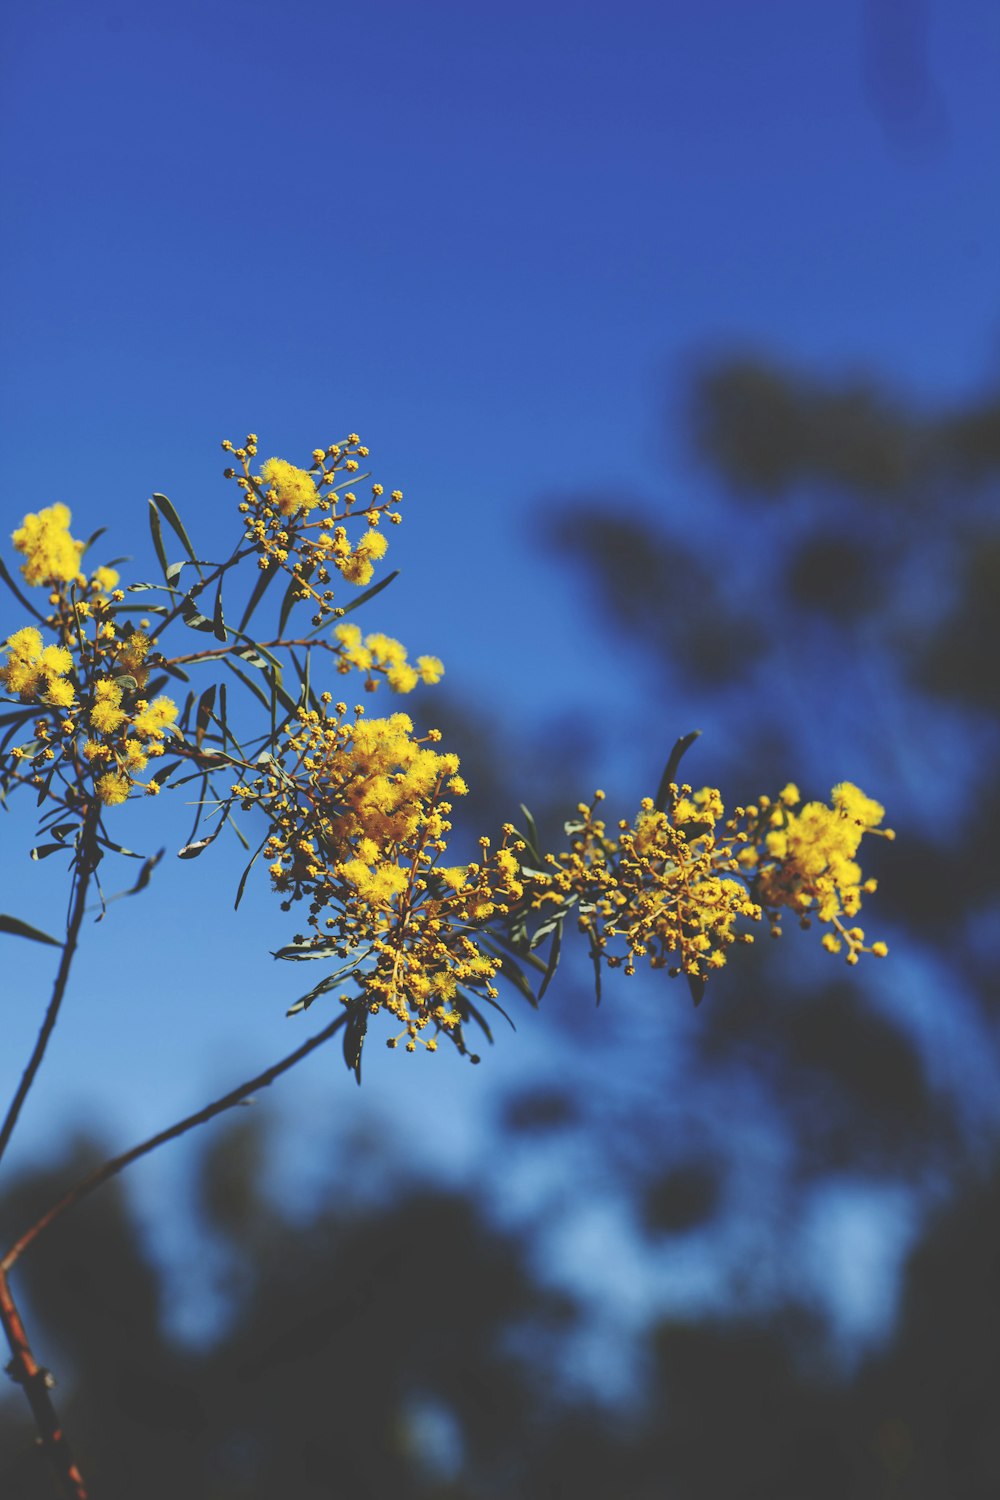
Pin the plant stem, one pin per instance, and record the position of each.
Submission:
(84, 869)
(201, 1117)
(23, 1367)
(26, 1371)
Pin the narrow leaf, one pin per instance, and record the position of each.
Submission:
(193, 617)
(354, 1035)
(156, 531)
(191, 851)
(696, 984)
(93, 538)
(218, 622)
(670, 770)
(17, 928)
(553, 963)
(203, 714)
(264, 581)
(534, 848)
(17, 592)
(286, 604)
(174, 521)
(468, 1009)
(243, 878)
(376, 588)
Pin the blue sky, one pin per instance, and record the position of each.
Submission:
(491, 240)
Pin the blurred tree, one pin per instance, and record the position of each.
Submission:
(829, 594)
(405, 1348)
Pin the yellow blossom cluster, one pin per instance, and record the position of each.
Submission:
(97, 724)
(358, 814)
(378, 653)
(679, 884)
(358, 810)
(297, 519)
(51, 554)
(35, 671)
(803, 858)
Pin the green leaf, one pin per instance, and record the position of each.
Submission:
(156, 531)
(203, 714)
(670, 770)
(468, 1009)
(17, 928)
(243, 878)
(120, 849)
(376, 588)
(218, 622)
(696, 984)
(326, 983)
(42, 851)
(264, 581)
(288, 599)
(354, 1035)
(226, 662)
(193, 617)
(298, 953)
(174, 521)
(191, 851)
(162, 776)
(139, 588)
(531, 837)
(93, 538)
(144, 876)
(17, 592)
(553, 963)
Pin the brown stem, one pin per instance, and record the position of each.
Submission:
(212, 653)
(84, 870)
(116, 1164)
(36, 1381)
(24, 1368)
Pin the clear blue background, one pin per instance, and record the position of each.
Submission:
(491, 239)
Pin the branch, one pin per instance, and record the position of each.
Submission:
(84, 870)
(117, 1163)
(26, 1371)
(23, 1367)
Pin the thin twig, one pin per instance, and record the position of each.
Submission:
(201, 1117)
(26, 1371)
(84, 870)
(23, 1367)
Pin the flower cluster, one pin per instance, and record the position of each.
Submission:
(358, 810)
(295, 518)
(51, 554)
(679, 885)
(804, 859)
(37, 672)
(379, 653)
(95, 723)
(358, 814)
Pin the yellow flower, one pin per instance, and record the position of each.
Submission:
(386, 651)
(113, 788)
(153, 721)
(373, 544)
(52, 555)
(293, 487)
(402, 679)
(103, 580)
(107, 714)
(35, 671)
(431, 669)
